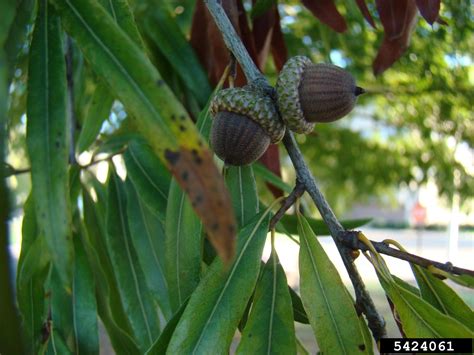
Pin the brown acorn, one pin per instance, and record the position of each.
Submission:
(310, 93)
(245, 123)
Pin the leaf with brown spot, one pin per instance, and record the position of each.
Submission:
(159, 116)
(327, 13)
(199, 169)
(429, 9)
(391, 50)
(396, 16)
(365, 11)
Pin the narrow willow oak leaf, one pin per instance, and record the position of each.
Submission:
(109, 306)
(149, 175)
(418, 318)
(148, 238)
(218, 303)
(47, 139)
(442, 297)
(159, 116)
(329, 307)
(241, 183)
(134, 293)
(270, 327)
(182, 247)
(84, 305)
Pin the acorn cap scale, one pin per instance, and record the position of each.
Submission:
(245, 123)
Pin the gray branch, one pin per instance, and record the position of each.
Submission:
(253, 75)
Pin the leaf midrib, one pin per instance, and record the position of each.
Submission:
(326, 301)
(230, 275)
(129, 257)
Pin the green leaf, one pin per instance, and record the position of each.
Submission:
(419, 319)
(17, 32)
(7, 17)
(243, 192)
(182, 247)
(135, 295)
(57, 344)
(109, 303)
(167, 36)
(97, 112)
(84, 304)
(149, 176)
(123, 16)
(216, 307)
(160, 117)
(329, 307)
(406, 285)
(443, 297)
(463, 280)
(148, 237)
(290, 223)
(32, 273)
(161, 344)
(48, 138)
(270, 328)
(60, 308)
(270, 177)
(298, 309)
(260, 7)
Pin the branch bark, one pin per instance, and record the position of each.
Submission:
(364, 301)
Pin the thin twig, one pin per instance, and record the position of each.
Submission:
(289, 201)
(253, 75)
(363, 299)
(9, 170)
(352, 241)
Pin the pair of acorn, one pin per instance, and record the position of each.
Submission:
(246, 120)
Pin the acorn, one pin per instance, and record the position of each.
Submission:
(310, 93)
(245, 123)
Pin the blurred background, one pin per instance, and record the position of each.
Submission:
(404, 157)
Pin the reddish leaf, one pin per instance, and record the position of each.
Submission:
(279, 50)
(262, 31)
(365, 11)
(395, 16)
(392, 49)
(429, 9)
(207, 40)
(327, 13)
(247, 38)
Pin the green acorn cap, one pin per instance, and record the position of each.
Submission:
(251, 103)
(288, 96)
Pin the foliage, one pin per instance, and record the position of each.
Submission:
(126, 198)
